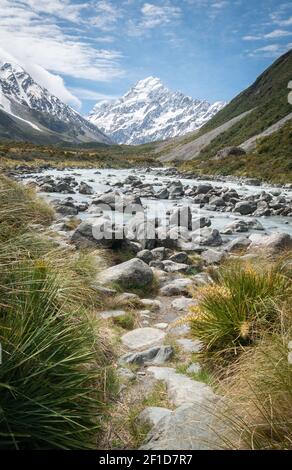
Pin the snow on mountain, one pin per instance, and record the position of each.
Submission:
(22, 98)
(149, 111)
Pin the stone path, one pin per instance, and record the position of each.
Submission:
(189, 425)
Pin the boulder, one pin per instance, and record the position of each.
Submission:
(152, 415)
(142, 338)
(157, 355)
(217, 201)
(176, 287)
(207, 237)
(162, 194)
(160, 253)
(180, 388)
(151, 304)
(145, 255)
(84, 188)
(262, 209)
(172, 267)
(94, 231)
(105, 315)
(238, 226)
(183, 303)
(133, 273)
(237, 243)
(213, 256)
(119, 202)
(245, 207)
(229, 151)
(274, 243)
(65, 209)
(201, 279)
(203, 188)
(189, 345)
(125, 374)
(176, 190)
(188, 427)
(180, 257)
(200, 222)
(156, 265)
(254, 224)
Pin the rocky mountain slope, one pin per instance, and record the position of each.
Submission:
(150, 112)
(29, 112)
(248, 116)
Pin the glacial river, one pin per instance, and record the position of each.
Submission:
(103, 180)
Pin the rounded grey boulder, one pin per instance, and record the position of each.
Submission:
(133, 273)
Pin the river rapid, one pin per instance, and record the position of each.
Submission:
(103, 180)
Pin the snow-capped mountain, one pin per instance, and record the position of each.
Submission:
(149, 111)
(32, 112)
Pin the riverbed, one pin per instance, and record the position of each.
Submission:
(103, 180)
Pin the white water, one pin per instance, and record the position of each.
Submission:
(99, 182)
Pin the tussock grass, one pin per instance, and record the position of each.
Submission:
(241, 304)
(56, 377)
(259, 397)
(19, 208)
(244, 319)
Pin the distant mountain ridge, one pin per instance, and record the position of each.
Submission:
(149, 112)
(28, 111)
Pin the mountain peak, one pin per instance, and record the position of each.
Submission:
(149, 111)
(148, 82)
(33, 108)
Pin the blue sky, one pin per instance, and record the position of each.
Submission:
(84, 51)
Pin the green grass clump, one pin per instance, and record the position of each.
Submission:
(126, 321)
(242, 303)
(56, 376)
(19, 207)
(259, 411)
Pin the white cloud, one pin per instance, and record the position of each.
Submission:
(59, 8)
(287, 22)
(53, 83)
(219, 5)
(251, 37)
(277, 33)
(107, 15)
(91, 95)
(272, 50)
(34, 34)
(153, 16)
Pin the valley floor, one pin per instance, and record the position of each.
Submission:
(156, 347)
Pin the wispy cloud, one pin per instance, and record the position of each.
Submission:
(219, 5)
(91, 95)
(283, 22)
(33, 32)
(271, 50)
(153, 16)
(277, 33)
(106, 15)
